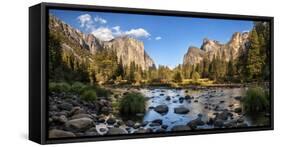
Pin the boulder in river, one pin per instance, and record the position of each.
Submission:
(223, 115)
(238, 110)
(111, 121)
(162, 109)
(130, 123)
(181, 99)
(221, 101)
(168, 98)
(218, 123)
(230, 105)
(238, 98)
(154, 124)
(143, 124)
(164, 126)
(210, 121)
(188, 97)
(150, 107)
(196, 122)
(159, 121)
(137, 125)
(181, 110)
(240, 120)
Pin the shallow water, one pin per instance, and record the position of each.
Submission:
(207, 101)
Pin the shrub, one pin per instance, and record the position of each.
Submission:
(59, 87)
(256, 100)
(102, 92)
(78, 87)
(131, 104)
(89, 96)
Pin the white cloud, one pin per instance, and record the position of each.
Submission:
(96, 27)
(138, 33)
(100, 20)
(116, 28)
(117, 31)
(85, 20)
(158, 38)
(103, 33)
(106, 34)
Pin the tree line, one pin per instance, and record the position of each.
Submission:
(252, 64)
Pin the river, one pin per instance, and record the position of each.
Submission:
(205, 103)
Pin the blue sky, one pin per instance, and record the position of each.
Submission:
(166, 39)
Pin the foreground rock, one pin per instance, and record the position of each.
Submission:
(80, 124)
(111, 121)
(181, 110)
(162, 109)
(223, 115)
(55, 133)
(116, 131)
(238, 110)
(218, 123)
(78, 116)
(195, 123)
(181, 128)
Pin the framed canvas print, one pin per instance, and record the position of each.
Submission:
(100, 73)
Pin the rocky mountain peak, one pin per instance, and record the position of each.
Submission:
(89, 42)
(211, 48)
(128, 49)
(194, 55)
(209, 45)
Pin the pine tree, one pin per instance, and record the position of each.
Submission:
(206, 64)
(132, 71)
(212, 69)
(120, 69)
(223, 67)
(241, 64)
(230, 69)
(199, 68)
(254, 63)
(178, 77)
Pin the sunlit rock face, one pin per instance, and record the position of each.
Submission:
(210, 48)
(130, 50)
(194, 55)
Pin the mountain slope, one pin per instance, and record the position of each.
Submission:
(211, 48)
(84, 46)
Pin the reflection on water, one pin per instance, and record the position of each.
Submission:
(204, 102)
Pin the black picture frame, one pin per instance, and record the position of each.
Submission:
(38, 63)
